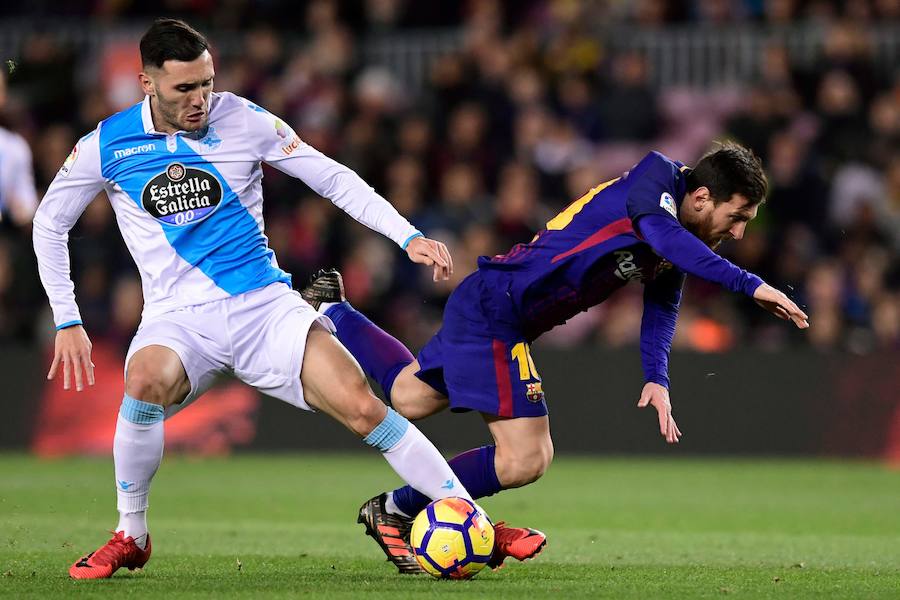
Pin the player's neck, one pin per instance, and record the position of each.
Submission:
(160, 124)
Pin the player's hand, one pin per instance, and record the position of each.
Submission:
(73, 351)
(432, 253)
(658, 396)
(780, 305)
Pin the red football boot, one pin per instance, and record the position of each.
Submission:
(118, 552)
(522, 543)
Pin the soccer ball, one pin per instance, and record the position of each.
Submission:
(452, 538)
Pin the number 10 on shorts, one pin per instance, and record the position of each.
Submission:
(521, 353)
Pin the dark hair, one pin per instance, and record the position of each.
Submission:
(727, 170)
(171, 39)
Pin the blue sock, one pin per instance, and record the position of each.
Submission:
(475, 470)
(380, 354)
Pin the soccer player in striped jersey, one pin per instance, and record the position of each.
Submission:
(183, 172)
(655, 224)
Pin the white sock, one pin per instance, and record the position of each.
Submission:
(137, 452)
(415, 458)
(392, 508)
(134, 525)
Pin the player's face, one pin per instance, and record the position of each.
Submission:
(179, 93)
(716, 223)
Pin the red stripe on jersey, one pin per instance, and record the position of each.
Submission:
(613, 229)
(504, 387)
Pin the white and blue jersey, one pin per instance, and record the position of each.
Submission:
(189, 205)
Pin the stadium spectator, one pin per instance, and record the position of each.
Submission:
(555, 88)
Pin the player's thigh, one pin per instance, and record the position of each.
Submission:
(334, 383)
(412, 397)
(524, 448)
(173, 359)
(285, 349)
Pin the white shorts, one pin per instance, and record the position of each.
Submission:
(258, 337)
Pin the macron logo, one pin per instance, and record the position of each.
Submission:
(448, 485)
(125, 485)
(134, 150)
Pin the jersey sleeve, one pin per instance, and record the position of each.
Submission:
(75, 185)
(662, 299)
(654, 188)
(685, 250)
(18, 193)
(279, 146)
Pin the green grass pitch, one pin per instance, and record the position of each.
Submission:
(284, 526)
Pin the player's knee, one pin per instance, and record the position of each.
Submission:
(145, 383)
(538, 461)
(365, 415)
(526, 465)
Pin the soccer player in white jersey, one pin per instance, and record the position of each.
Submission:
(18, 199)
(182, 170)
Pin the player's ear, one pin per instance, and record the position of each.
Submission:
(146, 83)
(700, 197)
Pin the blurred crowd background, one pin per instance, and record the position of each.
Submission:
(479, 120)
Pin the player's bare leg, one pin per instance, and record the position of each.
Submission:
(155, 379)
(334, 383)
(413, 398)
(524, 450)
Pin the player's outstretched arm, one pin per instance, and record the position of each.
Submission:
(73, 351)
(680, 247)
(657, 396)
(777, 303)
(279, 146)
(433, 254)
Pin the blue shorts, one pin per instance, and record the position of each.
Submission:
(480, 359)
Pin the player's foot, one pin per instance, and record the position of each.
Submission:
(522, 543)
(118, 552)
(391, 532)
(325, 286)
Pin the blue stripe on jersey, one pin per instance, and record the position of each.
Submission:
(228, 245)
